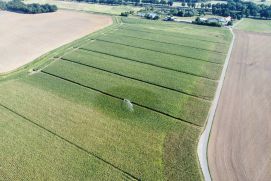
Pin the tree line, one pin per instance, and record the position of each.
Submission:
(136, 2)
(19, 6)
(238, 9)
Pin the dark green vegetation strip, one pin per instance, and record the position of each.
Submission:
(175, 40)
(181, 82)
(184, 53)
(120, 98)
(140, 80)
(133, 141)
(152, 64)
(66, 140)
(174, 63)
(185, 36)
(79, 98)
(169, 43)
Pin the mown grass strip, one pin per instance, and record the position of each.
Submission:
(140, 80)
(120, 98)
(192, 58)
(64, 139)
(152, 64)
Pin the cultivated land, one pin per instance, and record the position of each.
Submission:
(255, 25)
(74, 104)
(88, 7)
(26, 37)
(239, 147)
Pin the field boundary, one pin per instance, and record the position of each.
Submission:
(74, 144)
(204, 138)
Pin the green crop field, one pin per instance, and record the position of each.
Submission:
(63, 116)
(255, 25)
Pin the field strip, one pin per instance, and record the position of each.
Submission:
(77, 146)
(155, 65)
(120, 98)
(140, 80)
(179, 55)
(183, 45)
(184, 35)
(204, 138)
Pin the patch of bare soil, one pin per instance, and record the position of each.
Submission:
(240, 142)
(25, 37)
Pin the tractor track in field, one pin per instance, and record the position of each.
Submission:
(175, 44)
(121, 98)
(162, 52)
(146, 63)
(71, 143)
(139, 80)
(173, 35)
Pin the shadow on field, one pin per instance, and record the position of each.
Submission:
(116, 108)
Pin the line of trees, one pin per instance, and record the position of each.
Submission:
(19, 6)
(238, 9)
(184, 12)
(137, 2)
(191, 1)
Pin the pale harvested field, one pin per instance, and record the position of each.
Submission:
(240, 146)
(26, 37)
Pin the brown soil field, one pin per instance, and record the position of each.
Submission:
(240, 142)
(25, 37)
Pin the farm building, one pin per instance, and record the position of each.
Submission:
(223, 21)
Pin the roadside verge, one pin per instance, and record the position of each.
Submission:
(204, 138)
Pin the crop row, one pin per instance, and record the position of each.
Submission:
(132, 141)
(183, 31)
(178, 29)
(184, 51)
(183, 64)
(24, 138)
(173, 80)
(169, 102)
(167, 38)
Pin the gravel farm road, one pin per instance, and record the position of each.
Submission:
(240, 142)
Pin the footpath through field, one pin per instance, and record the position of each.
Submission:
(239, 146)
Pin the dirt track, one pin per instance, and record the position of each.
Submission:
(26, 37)
(240, 142)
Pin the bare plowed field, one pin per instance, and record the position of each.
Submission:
(26, 37)
(240, 147)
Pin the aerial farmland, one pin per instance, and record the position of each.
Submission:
(86, 94)
(72, 101)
